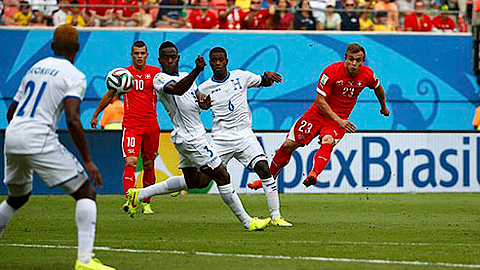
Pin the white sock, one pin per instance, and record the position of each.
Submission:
(86, 217)
(271, 193)
(6, 213)
(231, 198)
(172, 184)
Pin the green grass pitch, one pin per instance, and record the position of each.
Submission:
(387, 231)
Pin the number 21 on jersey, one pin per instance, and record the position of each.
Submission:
(29, 90)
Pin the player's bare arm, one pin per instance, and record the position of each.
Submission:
(11, 111)
(72, 115)
(321, 102)
(182, 86)
(204, 101)
(270, 77)
(106, 99)
(380, 93)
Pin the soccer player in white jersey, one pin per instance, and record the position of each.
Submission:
(198, 159)
(51, 86)
(232, 122)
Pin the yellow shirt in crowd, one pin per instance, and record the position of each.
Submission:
(22, 19)
(80, 21)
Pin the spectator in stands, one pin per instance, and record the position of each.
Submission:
(462, 25)
(257, 17)
(1, 13)
(418, 21)
(203, 18)
(171, 14)
(128, 12)
(329, 20)
(60, 16)
(42, 11)
(24, 15)
(443, 22)
(304, 19)
(231, 17)
(349, 18)
(282, 19)
(101, 12)
(381, 22)
(113, 115)
(365, 19)
(294, 6)
(405, 6)
(75, 18)
(392, 9)
(318, 8)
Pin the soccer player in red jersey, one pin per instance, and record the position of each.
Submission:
(337, 93)
(140, 126)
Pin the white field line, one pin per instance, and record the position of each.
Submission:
(278, 257)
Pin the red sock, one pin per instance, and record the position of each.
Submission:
(148, 180)
(280, 160)
(322, 157)
(128, 178)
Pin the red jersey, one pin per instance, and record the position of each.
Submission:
(234, 19)
(440, 24)
(341, 91)
(411, 21)
(141, 102)
(198, 21)
(259, 20)
(129, 7)
(102, 9)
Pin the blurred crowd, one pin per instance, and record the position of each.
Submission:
(347, 15)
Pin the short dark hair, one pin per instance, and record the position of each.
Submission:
(217, 50)
(355, 48)
(166, 44)
(74, 2)
(139, 44)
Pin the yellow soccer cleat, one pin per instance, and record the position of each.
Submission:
(133, 201)
(147, 208)
(280, 222)
(93, 264)
(258, 224)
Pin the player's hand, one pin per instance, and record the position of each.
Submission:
(204, 101)
(272, 77)
(94, 173)
(200, 63)
(348, 126)
(94, 122)
(385, 111)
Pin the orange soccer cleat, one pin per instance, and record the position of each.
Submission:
(311, 179)
(255, 184)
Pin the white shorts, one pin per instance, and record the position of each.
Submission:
(56, 168)
(246, 149)
(198, 153)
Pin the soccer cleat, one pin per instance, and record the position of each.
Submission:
(147, 209)
(125, 206)
(280, 222)
(93, 264)
(311, 179)
(133, 201)
(258, 224)
(255, 184)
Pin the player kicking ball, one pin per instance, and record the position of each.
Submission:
(198, 159)
(337, 93)
(232, 132)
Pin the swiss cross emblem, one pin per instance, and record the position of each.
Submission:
(147, 76)
(359, 83)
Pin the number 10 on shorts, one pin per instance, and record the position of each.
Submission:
(130, 141)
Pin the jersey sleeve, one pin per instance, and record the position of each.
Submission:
(76, 86)
(253, 80)
(324, 86)
(159, 82)
(373, 81)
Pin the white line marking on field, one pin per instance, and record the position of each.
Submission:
(279, 257)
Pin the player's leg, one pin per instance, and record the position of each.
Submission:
(131, 142)
(149, 152)
(61, 168)
(329, 136)
(18, 179)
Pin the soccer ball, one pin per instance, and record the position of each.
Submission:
(120, 80)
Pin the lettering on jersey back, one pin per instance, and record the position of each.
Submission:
(44, 71)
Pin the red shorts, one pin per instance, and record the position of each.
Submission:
(145, 140)
(311, 125)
